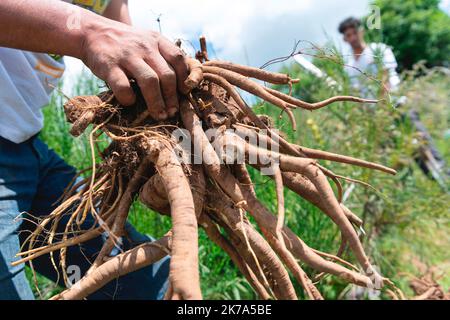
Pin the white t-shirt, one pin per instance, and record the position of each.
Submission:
(374, 57)
(27, 80)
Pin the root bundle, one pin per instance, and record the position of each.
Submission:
(193, 168)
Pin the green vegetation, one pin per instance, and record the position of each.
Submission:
(407, 219)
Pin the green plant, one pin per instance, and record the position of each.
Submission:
(416, 29)
(406, 220)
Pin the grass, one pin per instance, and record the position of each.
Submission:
(407, 219)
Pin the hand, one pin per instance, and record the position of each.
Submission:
(118, 52)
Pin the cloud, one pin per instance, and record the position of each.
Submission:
(248, 31)
(445, 6)
(244, 31)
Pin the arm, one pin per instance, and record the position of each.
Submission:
(118, 10)
(113, 51)
(390, 75)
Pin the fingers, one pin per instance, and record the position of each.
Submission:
(120, 85)
(175, 57)
(149, 84)
(158, 75)
(168, 82)
(195, 74)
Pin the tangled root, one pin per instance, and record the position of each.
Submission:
(144, 162)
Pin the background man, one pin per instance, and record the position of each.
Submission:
(369, 60)
(366, 58)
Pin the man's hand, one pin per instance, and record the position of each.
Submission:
(118, 52)
(114, 51)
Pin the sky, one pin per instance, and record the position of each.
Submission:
(247, 31)
(244, 31)
(250, 32)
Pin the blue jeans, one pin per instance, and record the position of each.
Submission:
(32, 179)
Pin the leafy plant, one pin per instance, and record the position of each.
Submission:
(416, 29)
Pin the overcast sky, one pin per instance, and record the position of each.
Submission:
(245, 31)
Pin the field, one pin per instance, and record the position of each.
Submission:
(406, 219)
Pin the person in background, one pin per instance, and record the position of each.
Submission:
(367, 59)
(376, 60)
(34, 37)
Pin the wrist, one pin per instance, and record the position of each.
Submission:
(92, 27)
(96, 30)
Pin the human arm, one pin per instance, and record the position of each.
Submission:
(113, 51)
(390, 76)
